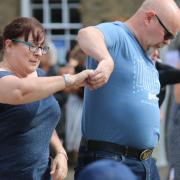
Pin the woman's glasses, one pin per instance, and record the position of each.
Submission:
(33, 48)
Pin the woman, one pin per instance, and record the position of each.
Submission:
(28, 111)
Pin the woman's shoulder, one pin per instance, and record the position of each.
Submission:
(3, 73)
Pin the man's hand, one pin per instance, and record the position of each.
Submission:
(101, 75)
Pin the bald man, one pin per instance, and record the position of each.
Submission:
(121, 113)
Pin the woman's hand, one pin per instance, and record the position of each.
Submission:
(80, 79)
(59, 166)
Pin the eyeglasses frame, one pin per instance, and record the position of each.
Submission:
(30, 44)
(168, 35)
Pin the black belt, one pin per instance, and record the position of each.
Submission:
(94, 145)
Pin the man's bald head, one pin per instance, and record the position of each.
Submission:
(167, 10)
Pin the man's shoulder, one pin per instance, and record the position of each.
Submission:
(115, 26)
(111, 23)
(118, 23)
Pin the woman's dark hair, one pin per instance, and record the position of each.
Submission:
(22, 27)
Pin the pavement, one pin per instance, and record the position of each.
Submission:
(70, 175)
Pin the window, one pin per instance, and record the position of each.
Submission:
(61, 19)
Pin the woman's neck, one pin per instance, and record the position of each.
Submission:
(6, 66)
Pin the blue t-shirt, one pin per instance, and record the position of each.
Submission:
(25, 133)
(125, 110)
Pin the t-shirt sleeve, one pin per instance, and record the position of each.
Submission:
(112, 33)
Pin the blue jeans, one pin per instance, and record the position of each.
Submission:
(144, 170)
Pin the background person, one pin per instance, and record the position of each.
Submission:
(168, 75)
(74, 107)
(174, 136)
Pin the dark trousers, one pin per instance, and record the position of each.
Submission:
(144, 170)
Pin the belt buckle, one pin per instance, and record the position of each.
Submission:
(145, 154)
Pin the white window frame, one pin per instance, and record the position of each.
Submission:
(27, 10)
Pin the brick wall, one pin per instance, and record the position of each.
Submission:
(95, 11)
(9, 9)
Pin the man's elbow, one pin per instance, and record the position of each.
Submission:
(86, 33)
(82, 34)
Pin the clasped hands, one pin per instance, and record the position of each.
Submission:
(94, 79)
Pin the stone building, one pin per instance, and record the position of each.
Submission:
(63, 18)
(95, 11)
(8, 10)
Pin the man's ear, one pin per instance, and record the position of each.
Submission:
(148, 16)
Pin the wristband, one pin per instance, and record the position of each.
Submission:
(63, 153)
(67, 80)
